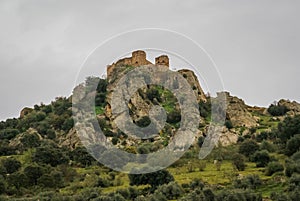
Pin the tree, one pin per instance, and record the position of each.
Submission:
(277, 110)
(2, 185)
(248, 147)
(11, 165)
(18, 179)
(205, 108)
(80, 155)
(174, 117)
(153, 93)
(143, 122)
(52, 180)
(289, 127)
(265, 145)
(30, 140)
(50, 154)
(155, 179)
(8, 133)
(238, 160)
(172, 191)
(228, 124)
(33, 172)
(261, 158)
(293, 145)
(274, 167)
(68, 124)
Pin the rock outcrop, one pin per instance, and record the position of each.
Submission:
(194, 82)
(237, 112)
(71, 140)
(292, 106)
(25, 111)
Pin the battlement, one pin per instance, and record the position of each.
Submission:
(138, 58)
(162, 60)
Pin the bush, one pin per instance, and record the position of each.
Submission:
(274, 167)
(2, 186)
(250, 181)
(205, 108)
(228, 124)
(277, 110)
(238, 195)
(143, 122)
(153, 93)
(296, 156)
(171, 190)
(291, 167)
(248, 147)
(262, 136)
(174, 117)
(30, 140)
(50, 154)
(276, 196)
(265, 145)
(8, 133)
(289, 127)
(33, 173)
(294, 182)
(261, 158)
(293, 145)
(238, 161)
(155, 179)
(11, 165)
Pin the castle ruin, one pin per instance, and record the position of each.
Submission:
(138, 58)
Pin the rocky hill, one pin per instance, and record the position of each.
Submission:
(241, 119)
(256, 155)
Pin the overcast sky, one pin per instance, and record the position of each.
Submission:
(43, 44)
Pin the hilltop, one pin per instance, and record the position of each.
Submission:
(256, 157)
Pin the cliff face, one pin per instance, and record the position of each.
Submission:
(139, 102)
(145, 98)
(194, 82)
(238, 113)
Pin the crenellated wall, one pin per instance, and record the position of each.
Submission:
(138, 58)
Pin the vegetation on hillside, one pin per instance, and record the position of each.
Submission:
(36, 165)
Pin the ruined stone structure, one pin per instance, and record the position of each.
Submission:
(162, 60)
(138, 58)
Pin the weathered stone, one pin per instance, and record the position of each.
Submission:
(237, 112)
(194, 82)
(25, 111)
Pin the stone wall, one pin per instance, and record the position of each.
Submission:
(138, 58)
(162, 60)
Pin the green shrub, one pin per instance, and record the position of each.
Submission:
(143, 122)
(171, 190)
(265, 145)
(11, 165)
(155, 179)
(248, 147)
(228, 124)
(277, 110)
(274, 167)
(261, 158)
(238, 161)
(8, 133)
(174, 117)
(289, 127)
(250, 181)
(293, 145)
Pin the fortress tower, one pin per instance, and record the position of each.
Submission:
(139, 58)
(162, 60)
